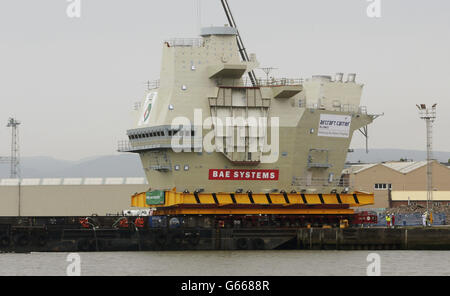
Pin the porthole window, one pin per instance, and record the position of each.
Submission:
(177, 167)
(186, 168)
(183, 87)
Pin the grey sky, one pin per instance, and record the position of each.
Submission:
(72, 82)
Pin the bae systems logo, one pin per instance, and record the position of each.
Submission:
(244, 175)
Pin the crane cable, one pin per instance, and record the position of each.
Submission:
(241, 46)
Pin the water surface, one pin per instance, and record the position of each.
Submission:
(225, 263)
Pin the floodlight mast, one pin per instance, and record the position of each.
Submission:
(15, 155)
(429, 115)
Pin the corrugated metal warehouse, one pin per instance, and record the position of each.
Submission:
(68, 197)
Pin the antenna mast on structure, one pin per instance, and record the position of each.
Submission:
(241, 46)
(15, 155)
(429, 115)
(268, 70)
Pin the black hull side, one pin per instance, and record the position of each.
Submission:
(65, 234)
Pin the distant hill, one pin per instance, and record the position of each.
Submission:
(129, 165)
(380, 155)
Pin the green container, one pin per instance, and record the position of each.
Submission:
(156, 197)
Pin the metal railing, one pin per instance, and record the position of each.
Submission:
(320, 182)
(153, 84)
(124, 146)
(246, 82)
(190, 42)
(343, 108)
(354, 109)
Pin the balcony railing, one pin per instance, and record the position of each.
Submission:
(153, 84)
(124, 146)
(342, 108)
(246, 82)
(320, 182)
(190, 42)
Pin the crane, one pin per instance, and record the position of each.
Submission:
(240, 43)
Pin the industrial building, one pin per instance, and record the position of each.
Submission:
(404, 198)
(68, 197)
(398, 178)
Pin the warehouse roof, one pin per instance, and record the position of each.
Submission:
(402, 167)
(73, 181)
(405, 166)
(356, 168)
(419, 195)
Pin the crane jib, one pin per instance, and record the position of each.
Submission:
(240, 43)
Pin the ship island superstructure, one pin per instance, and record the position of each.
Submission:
(206, 128)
